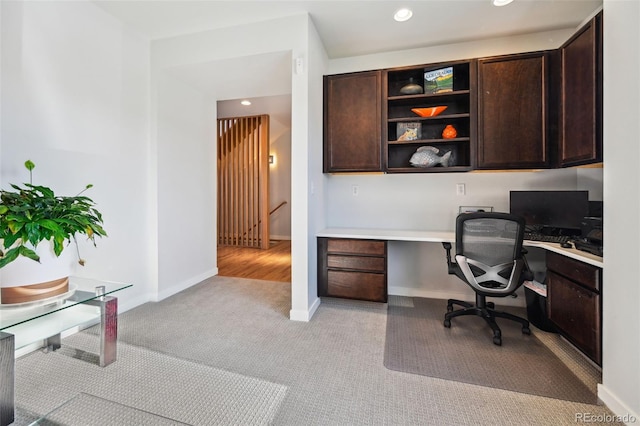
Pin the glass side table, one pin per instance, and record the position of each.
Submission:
(44, 320)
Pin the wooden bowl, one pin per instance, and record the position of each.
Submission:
(429, 112)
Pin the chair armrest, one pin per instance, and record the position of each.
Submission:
(451, 266)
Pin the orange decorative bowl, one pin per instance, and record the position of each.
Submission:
(429, 112)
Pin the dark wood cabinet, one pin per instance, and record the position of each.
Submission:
(522, 111)
(513, 111)
(352, 122)
(574, 302)
(352, 269)
(580, 139)
(458, 97)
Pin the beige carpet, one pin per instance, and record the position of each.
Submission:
(225, 352)
(418, 343)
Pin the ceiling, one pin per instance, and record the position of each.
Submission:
(346, 28)
(357, 27)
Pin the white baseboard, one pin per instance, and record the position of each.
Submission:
(622, 413)
(302, 315)
(185, 284)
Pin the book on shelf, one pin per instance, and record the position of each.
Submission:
(408, 131)
(439, 81)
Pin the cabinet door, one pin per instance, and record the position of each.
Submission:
(576, 312)
(581, 98)
(512, 112)
(352, 122)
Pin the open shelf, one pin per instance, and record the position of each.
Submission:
(406, 131)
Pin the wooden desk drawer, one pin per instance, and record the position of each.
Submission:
(580, 272)
(352, 268)
(361, 263)
(357, 285)
(344, 245)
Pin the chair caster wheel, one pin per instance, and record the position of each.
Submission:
(497, 340)
(447, 323)
(526, 330)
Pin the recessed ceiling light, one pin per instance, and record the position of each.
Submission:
(245, 102)
(501, 2)
(403, 14)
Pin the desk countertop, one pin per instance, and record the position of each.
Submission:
(446, 236)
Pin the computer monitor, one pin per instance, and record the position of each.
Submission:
(550, 211)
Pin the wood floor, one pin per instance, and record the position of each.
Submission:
(272, 264)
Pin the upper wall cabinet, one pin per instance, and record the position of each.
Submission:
(430, 108)
(352, 122)
(580, 139)
(513, 114)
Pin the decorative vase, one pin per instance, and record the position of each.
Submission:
(449, 132)
(411, 88)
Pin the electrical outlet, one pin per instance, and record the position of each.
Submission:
(460, 189)
(355, 189)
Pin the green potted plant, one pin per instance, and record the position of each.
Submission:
(32, 214)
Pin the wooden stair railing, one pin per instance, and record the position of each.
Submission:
(271, 212)
(243, 181)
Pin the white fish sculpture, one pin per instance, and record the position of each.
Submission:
(427, 156)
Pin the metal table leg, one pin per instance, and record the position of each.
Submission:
(108, 326)
(108, 330)
(7, 378)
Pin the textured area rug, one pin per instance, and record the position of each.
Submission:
(145, 381)
(418, 343)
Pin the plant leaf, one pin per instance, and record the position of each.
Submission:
(27, 252)
(9, 257)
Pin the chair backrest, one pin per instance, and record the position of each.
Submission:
(489, 251)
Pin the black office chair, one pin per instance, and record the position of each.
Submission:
(490, 259)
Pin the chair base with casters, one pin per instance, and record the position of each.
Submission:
(486, 310)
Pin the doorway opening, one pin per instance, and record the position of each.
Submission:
(254, 189)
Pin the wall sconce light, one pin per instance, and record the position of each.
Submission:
(272, 159)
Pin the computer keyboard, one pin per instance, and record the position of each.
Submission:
(532, 236)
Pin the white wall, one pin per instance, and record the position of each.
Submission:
(428, 201)
(620, 388)
(186, 179)
(286, 34)
(315, 186)
(75, 101)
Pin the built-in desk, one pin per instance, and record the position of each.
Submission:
(446, 236)
(574, 277)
